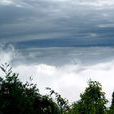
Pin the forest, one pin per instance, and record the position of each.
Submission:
(17, 97)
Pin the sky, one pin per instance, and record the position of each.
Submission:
(60, 43)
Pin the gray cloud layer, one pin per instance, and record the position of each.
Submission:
(56, 23)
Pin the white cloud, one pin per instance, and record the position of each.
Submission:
(17, 3)
(106, 25)
(98, 3)
(7, 55)
(95, 3)
(69, 80)
(6, 2)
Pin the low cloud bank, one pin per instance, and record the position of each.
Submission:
(69, 80)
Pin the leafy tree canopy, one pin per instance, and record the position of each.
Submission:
(19, 98)
(24, 98)
(92, 100)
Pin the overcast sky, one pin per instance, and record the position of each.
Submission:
(59, 41)
(57, 23)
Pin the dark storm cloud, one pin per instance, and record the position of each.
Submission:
(43, 23)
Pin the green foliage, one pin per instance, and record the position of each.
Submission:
(111, 111)
(61, 102)
(92, 100)
(112, 103)
(19, 98)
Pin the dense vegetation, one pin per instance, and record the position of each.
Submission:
(24, 98)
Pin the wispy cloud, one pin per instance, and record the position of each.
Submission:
(6, 2)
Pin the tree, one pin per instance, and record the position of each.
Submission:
(92, 100)
(24, 98)
(112, 103)
(111, 109)
(19, 98)
(61, 102)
